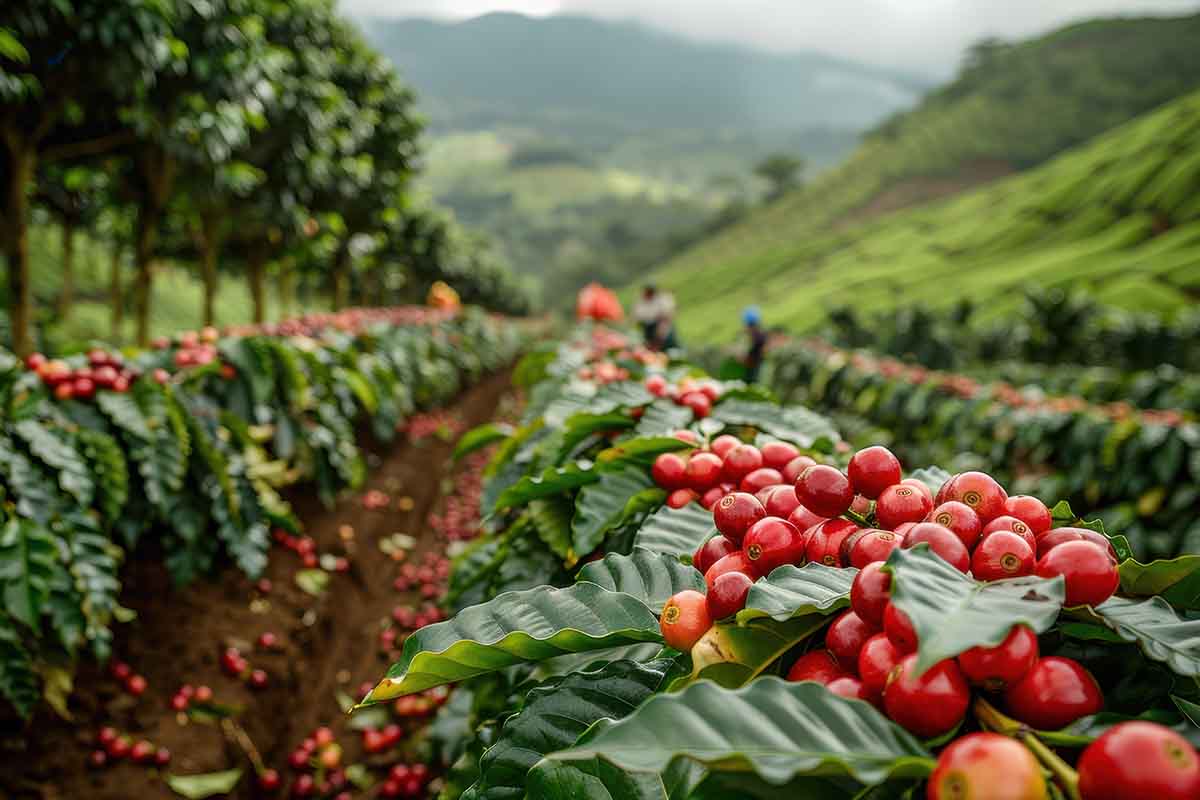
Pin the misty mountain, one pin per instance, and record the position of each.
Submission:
(570, 74)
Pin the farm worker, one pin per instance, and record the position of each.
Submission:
(655, 313)
(752, 319)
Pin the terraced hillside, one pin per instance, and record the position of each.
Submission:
(1119, 215)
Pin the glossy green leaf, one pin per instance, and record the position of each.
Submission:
(551, 518)
(208, 784)
(605, 504)
(791, 591)
(1157, 628)
(517, 627)
(651, 577)
(580, 426)
(552, 718)
(676, 531)
(1176, 579)
(732, 655)
(952, 612)
(641, 451)
(1063, 516)
(662, 417)
(776, 729)
(552, 481)
(28, 557)
(800, 426)
(482, 436)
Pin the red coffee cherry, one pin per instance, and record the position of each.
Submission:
(1002, 554)
(708, 553)
(900, 504)
(1012, 525)
(723, 444)
(734, 562)
(728, 594)
(899, 629)
(670, 471)
(681, 497)
(942, 541)
(1139, 760)
(850, 688)
(685, 619)
(978, 490)
(740, 461)
(869, 593)
(1031, 511)
(931, 704)
(1054, 693)
(772, 542)
(1090, 575)
(819, 666)
(872, 545)
(703, 471)
(979, 764)
(777, 455)
(760, 479)
(793, 468)
(960, 519)
(824, 490)
(824, 541)
(846, 636)
(997, 668)
(804, 519)
(735, 513)
(876, 660)
(781, 500)
(872, 470)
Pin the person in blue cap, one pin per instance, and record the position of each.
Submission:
(752, 319)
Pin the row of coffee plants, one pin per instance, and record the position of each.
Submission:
(1140, 470)
(189, 444)
(687, 590)
(1165, 387)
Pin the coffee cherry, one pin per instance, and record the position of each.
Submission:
(1139, 760)
(824, 541)
(793, 468)
(819, 666)
(685, 619)
(997, 668)
(698, 402)
(735, 513)
(681, 497)
(781, 500)
(872, 470)
(670, 471)
(1090, 575)
(1031, 511)
(824, 490)
(712, 497)
(869, 593)
(97, 759)
(708, 553)
(703, 471)
(1012, 525)
(772, 542)
(804, 519)
(899, 504)
(960, 519)
(142, 751)
(162, 757)
(921, 487)
(980, 491)
(986, 765)
(931, 704)
(723, 444)
(873, 545)
(204, 694)
(728, 594)
(876, 660)
(1056, 536)
(740, 461)
(778, 455)
(1002, 554)
(734, 562)
(760, 479)
(1054, 693)
(899, 629)
(942, 541)
(850, 688)
(845, 638)
(107, 735)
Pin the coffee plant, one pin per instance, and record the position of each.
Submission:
(189, 444)
(684, 589)
(1139, 469)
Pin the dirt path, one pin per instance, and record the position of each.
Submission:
(329, 644)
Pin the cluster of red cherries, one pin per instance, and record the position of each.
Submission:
(306, 548)
(104, 370)
(112, 746)
(698, 394)
(318, 762)
(459, 520)
(441, 423)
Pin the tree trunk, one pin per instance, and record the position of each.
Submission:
(115, 298)
(208, 245)
(157, 172)
(286, 287)
(14, 225)
(66, 293)
(256, 263)
(341, 275)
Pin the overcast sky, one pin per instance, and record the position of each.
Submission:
(924, 35)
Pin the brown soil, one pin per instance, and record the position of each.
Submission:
(915, 191)
(330, 645)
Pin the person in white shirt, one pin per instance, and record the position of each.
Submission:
(655, 313)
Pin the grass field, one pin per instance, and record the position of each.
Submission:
(1119, 216)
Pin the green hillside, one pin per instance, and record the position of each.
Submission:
(1119, 216)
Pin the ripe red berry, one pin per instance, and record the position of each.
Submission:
(804, 519)
(778, 455)
(685, 619)
(703, 471)
(921, 487)
(121, 671)
(760, 479)
(259, 679)
(781, 500)
(303, 786)
(997, 668)
(876, 660)
(686, 436)
(735, 513)
(136, 685)
(899, 504)
(1090, 575)
(180, 703)
(670, 471)
(142, 751)
(850, 688)
(728, 594)
(734, 562)
(708, 553)
(899, 628)
(869, 593)
(987, 765)
(698, 402)
(107, 735)
(740, 461)
(824, 490)
(978, 490)
(1011, 525)
(97, 759)
(845, 638)
(1054, 693)
(204, 694)
(931, 704)
(268, 640)
(873, 545)
(872, 470)
(772, 542)
(942, 541)
(819, 666)
(162, 757)
(712, 497)
(824, 541)
(119, 748)
(1139, 760)
(960, 519)
(269, 780)
(1031, 511)
(1056, 536)
(681, 497)
(1002, 554)
(793, 468)
(723, 444)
